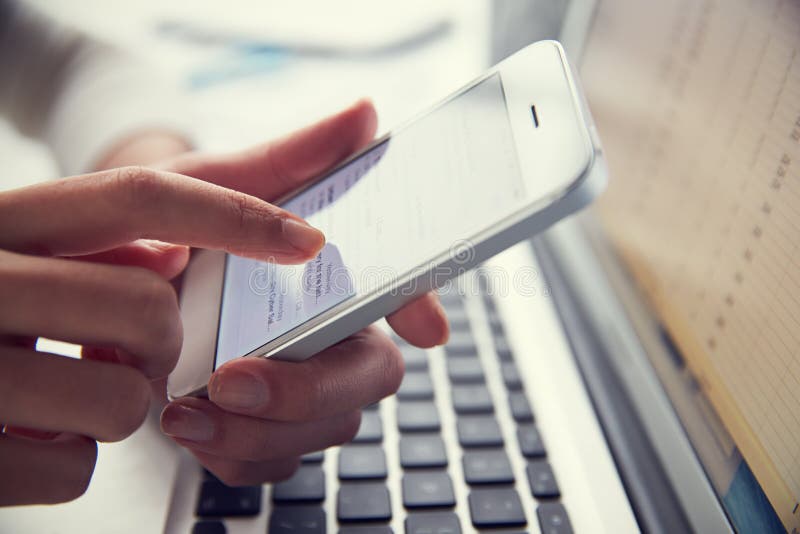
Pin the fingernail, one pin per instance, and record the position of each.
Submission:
(302, 236)
(185, 422)
(234, 390)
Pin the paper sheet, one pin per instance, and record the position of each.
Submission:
(698, 104)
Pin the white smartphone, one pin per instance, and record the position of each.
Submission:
(496, 162)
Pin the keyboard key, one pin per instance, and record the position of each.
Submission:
(428, 489)
(366, 501)
(520, 407)
(496, 507)
(306, 485)
(471, 399)
(313, 457)
(496, 325)
(360, 462)
(416, 386)
(422, 451)
(479, 431)
(530, 441)
(209, 527)
(417, 416)
(553, 518)
(487, 467)
(511, 376)
(501, 347)
(460, 344)
(218, 500)
(297, 520)
(367, 529)
(371, 429)
(459, 320)
(541, 480)
(433, 523)
(465, 370)
(416, 359)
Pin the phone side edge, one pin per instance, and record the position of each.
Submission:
(200, 303)
(587, 187)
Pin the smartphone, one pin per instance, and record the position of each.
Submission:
(494, 163)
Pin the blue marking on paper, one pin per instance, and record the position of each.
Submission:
(748, 507)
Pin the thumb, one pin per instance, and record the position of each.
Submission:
(273, 169)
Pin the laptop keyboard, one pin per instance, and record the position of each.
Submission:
(422, 451)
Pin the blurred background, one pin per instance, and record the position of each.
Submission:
(237, 73)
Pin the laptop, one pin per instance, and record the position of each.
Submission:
(636, 368)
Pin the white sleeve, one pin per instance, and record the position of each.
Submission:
(77, 95)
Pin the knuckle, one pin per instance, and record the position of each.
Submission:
(323, 392)
(139, 186)
(244, 207)
(316, 398)
(250, 216)
(127, 405)
(380, 375)
(240, 207)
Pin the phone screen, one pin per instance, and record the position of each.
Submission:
(419, 193)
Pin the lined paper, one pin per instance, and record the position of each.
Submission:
(698, 104)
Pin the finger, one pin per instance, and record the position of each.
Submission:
(421, 322)
(31, 433)
(45, 472)
(26, 342)
(97, 212)
(354, 373)
(58, 394)
(203, 426)
(98, 305)
(241, 473)
(100, 354)
(165, 259)
(271, 170)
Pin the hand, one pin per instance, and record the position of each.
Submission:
(73, 267)
(145, 147)
(263, 414)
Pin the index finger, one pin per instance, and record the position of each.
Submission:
(95, 212)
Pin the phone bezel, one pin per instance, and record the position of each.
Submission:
(538, 74)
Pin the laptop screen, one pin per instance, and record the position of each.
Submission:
(698, 105)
